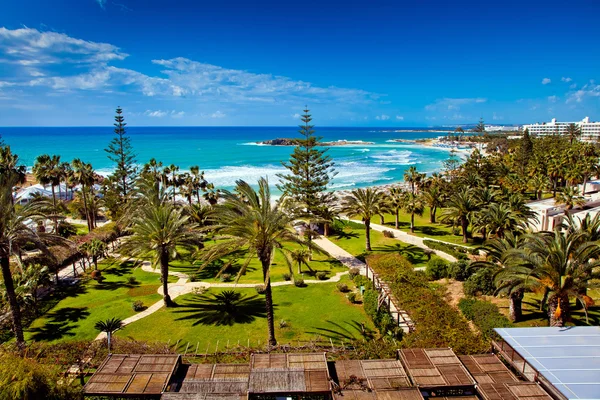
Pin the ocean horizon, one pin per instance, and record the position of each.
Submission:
(227, 154)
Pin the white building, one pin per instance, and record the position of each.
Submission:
(590, 131)
(501, 128)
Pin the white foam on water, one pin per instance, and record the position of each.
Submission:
(226, 176)
(363, 150)
(252, 144)
(394, 157)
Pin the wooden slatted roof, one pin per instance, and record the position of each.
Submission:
(431, 368)
(132, 375)
(487, 368)
(512, 391)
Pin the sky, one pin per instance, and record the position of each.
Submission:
(259, 63)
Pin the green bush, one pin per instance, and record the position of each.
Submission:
(361, 280)
(484, 315)
(287, 276)
(66, 229)
(388, 234)
(299, 282)
(131, 280)
(321, 275)
(342, 287)
(354, 272)
(260, 289)
(460, 270)
(225, 277)
(137, 305)
(436, 269)
(458, 252)
(351, 297)
(480, 283)
(381, 318)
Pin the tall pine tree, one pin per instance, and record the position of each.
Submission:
(121, 152)
(526, 150)
(310, 171)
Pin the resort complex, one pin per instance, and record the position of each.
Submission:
(588, 130)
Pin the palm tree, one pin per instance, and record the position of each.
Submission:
(96, 248)
(563, 265)
(460, 208)
(434, 197)
(46, 171)
(83, 174)
(538, 183)
(363, 203)
(301, 257)
(395, 203)
(109, 326)
(573, 132)
(498, 219)
(413, 177)
(570, 198)
(161, 231)
(413, 204)
(248, 220)
(172, 169)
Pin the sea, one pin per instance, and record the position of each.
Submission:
(227, 154)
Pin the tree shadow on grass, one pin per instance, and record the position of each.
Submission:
(411, 252)
(121, 268)
(209, 309)
(347, 331)
(60, 323)
(345, 235)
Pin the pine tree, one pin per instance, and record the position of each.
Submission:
(480, 127)
(311, 170)
(121, 152)
(526, 150)
(2, 144)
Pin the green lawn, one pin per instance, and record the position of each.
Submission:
(352, 239)
(82, 305)
(423, 228)
(81, 229)
(320, 262)
(309, 312)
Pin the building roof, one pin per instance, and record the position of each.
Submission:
(487, 368)
(512, 391)
(568, 358)
(132, 374)
(370, 376)
(432, 368)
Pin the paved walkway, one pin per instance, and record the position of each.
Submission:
(411, 239)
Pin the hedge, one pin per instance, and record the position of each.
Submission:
(485, 316)
(381, 318)
(437, 324)
(458, 252)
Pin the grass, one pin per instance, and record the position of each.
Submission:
(81, 229)
(80, 306)
(320, 262)
(352, 239)
(423, 228)
(308, 312)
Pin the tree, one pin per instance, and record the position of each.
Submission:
(159, 230)
(46, 171)
(300, 256)
(29, 280)
(109, 327)
(570, 198)
(172, 170)
(363, 203)
(460, 207)
(95, 248)
(526, 150)
(249, 221)
(120, 151)
(310, 170)
(434, 198)
(395, 202)
(413, 178)
(573, 132)
(83, 174)
(413, 204)
(499, 218)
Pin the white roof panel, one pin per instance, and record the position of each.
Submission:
(567, 357)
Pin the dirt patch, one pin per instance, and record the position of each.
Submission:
(454, 292)
(143, 290)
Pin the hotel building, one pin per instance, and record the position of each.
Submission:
(590, 131)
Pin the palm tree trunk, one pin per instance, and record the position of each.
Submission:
(12, 301)
(381, 220)
(108, 335)
(464, 224)
(544, 299)
(326, 229)
(53, 197)
(368, 235)
(95, 261)
(585, 179)
(265, 260)
(412, 222)
(558, 309)
(432, 211)
(397, 222)
(164, 273)
(515, 310)
(85, 209)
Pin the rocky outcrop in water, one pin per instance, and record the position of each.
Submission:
(292, 142)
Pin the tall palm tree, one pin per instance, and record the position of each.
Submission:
(413, 177)
(413, 204)
(160, 230)
(363, 203)
(570, 198)
(563, 265)
(459, 210)
(498, 219)
(434, 197)
(573, 132)
(300, 256)
(172, 170)
(95, 248)
(109, 326)
(248, 220)
(83, 174)
(395, 203)
(46, 171)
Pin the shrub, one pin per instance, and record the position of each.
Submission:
(287, 276)
(388, 234)
(436, 269)
(361, 280)
(96, 274)
(66, 229)
(283, 324)
(485, 315)
(225, 277)
(458, 252)
(481, 282)
(260, 289)
(354, 272)
(131, 280)
(299, 282)
(100, 279)
(138, 305)
(351, 297)
(428, 253)
(200, 290)
(460, 270)
(321, 275)
(342, 287)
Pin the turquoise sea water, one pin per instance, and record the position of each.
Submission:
(230, 153)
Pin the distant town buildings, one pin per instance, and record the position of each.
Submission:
(590, 131)
(501, 128)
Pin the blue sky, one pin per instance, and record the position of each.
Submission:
(355, 63)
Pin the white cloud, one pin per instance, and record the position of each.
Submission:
(552, 99)
(399, 117)
(101, 3)
(177, 114)
(382, 117)
(587, 90)
(566, 79)
(453, 103)
(296, 116)
(573, 86)
(218, 114)
(155, 114)
(546, 81)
